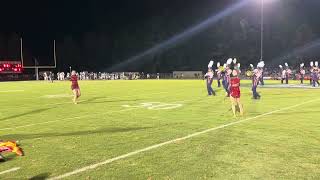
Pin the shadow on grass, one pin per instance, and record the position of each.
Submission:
(41, 176)
(93, 100)
(77, 133)
(25, 113)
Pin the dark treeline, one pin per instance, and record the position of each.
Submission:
(96, 35)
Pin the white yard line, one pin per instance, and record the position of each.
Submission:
(108, 161)
(9, 91)
(10, 170)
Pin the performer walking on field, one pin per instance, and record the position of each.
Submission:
(75, 86)
(209, 79)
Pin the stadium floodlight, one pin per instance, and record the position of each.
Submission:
(262, 3)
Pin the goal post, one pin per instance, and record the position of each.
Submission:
(36, 67)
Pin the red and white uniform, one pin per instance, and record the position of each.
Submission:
(209, 75)
(256, 76)
(74, 82)
(289, 72)
(235, 87)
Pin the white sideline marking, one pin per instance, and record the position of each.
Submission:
(10, 170)
(108, 161)
(8, 91)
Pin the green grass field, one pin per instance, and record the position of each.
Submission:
(278, 137)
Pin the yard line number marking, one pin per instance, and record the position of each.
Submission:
(108, 161)
(155, 105)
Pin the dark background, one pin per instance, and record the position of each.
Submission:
(96, 35)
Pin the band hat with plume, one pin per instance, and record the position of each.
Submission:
(286, 64)
(218, 64)
(232, 64)
(210, 64)
(302, 65)
(280, 66)
(224, 65)
(311, 63)
(229, 61)
(316, 63)
(238, 68)
(260, 64)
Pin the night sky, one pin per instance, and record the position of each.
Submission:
(96, 35)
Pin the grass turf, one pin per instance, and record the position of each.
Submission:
(58, 136)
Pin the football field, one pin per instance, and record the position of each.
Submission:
(158, 129)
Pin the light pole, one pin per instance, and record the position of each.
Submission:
(262, 30)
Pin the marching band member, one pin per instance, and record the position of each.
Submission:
(315, 74)
(234, 87)
(257, 73)
(288, 72)
(285, 74)
(261, 80)
(311, 69)
(302, 73)
(249, 72)
(209, 79)
(219, 73)
(226, 77)
(45, 76)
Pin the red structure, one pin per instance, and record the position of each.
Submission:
(11, 67)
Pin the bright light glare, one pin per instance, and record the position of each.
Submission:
(179, 38)
(264, 1)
